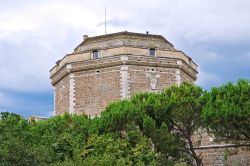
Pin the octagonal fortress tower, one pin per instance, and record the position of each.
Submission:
(115, 66)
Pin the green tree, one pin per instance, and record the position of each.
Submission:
(169, 119)
(167, 143)
(59, 138)
(16, 141)
(183, 106)
(64, 148)
(227, 111)
(148, 129)
(178, 110)
(110, 149)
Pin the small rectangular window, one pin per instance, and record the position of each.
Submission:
(152, 52)
(95, 54)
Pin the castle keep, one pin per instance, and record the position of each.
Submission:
(115, 66)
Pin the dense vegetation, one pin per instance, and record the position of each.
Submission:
(149, 129)
(227, 111)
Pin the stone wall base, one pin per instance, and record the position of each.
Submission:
(225, 155)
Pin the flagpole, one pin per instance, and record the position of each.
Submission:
(105, 21)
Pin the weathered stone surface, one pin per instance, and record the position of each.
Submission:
(95, 89)
(225, 155)
(124, 68)
(62, 96)
(217, 152)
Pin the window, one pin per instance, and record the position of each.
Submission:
(152, 51)
(95, 54)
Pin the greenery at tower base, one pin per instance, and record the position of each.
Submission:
(148, 129)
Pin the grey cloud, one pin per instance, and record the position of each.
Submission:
(221, 62)
(27, 103)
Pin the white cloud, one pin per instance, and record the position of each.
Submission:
(35, 34)
(33, 39)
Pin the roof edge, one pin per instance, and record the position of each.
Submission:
(124, 33)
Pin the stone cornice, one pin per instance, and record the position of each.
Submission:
(117, 60)
(66, 59)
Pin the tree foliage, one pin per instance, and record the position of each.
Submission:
(70, 140)
(148, 129)
(15, 146)
(227, 111)
(177, 110)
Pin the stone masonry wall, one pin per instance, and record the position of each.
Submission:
(225, 156)
(62, 96)
(216, 152)
(95, 89)
(89, 86)
(145, 78)
(185, 77)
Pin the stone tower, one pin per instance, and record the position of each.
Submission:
(115, 66)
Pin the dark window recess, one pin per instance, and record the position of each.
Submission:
(95, 54)
(152, 52)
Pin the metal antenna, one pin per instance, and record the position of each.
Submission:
(105, 21)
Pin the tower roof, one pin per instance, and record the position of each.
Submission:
(111, 46)
(126, 38)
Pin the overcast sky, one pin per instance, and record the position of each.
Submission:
(35, 34)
